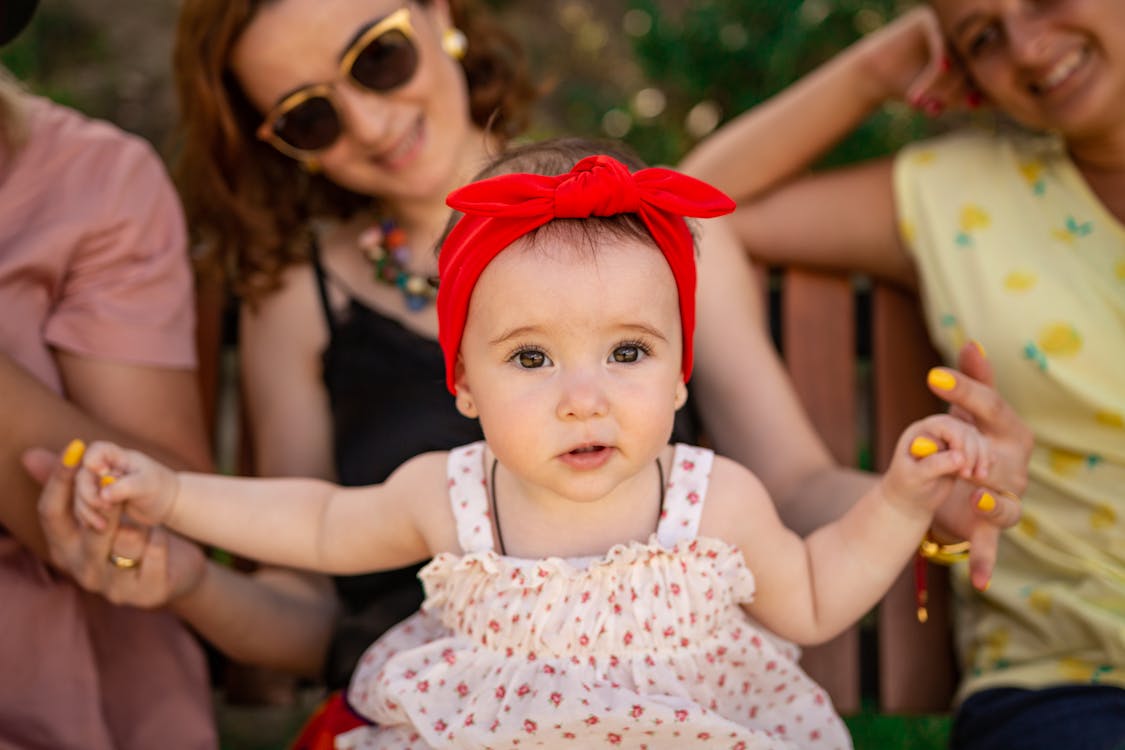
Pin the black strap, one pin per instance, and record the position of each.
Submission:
(496, 513)
(321, 283)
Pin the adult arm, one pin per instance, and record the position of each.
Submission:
(134, 405)
(746, 400)
(841, 218)
(281, 339)
(753, 416)
(275, 617)
(268, 618)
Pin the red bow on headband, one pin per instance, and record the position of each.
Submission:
(499, 210)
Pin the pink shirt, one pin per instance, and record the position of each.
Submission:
(93, 260)
(93, 255)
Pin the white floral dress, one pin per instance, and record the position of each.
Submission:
(645, 647)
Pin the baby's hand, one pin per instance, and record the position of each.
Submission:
(111, 475)
(930, 456)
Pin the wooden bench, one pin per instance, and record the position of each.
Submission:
(820, 325)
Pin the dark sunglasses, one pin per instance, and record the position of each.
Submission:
(381, 59)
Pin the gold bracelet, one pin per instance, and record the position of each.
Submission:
(942, 554)
(933, 551)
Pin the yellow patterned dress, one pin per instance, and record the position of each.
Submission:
(1015, 251)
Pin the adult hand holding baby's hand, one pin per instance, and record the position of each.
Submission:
(982, 510)
(167, 565)
(931, 455)
(111, 476)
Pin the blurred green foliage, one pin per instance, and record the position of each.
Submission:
(731, 54)
(55, 43)
(638, 70)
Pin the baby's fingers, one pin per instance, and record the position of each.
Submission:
(134, 490)
(978, 456)
(105, 459)
(88, 506)
(934, 458)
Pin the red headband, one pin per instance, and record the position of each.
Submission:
(500, 210)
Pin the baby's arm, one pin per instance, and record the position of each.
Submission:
(808, 590)
(302, 523)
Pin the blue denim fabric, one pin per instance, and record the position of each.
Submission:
(1071, 717)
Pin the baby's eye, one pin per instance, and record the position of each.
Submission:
(530, 358)
(629, 353)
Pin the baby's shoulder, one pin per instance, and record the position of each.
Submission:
(425, 467)
(728, 474)
(732, 492)
(422, 482)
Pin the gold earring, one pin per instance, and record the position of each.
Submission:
(454, 42)
(311, 165)
(465, 405)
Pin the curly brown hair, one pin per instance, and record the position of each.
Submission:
(248, 206)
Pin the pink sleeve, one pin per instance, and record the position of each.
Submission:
(128, 296)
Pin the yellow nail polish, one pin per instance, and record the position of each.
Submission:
(941, 380)
(986, 585)
(980, 348)
(921, 447)
(987, 503)
(106, 480)
(73, 453)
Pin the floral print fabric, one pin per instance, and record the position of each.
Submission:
(644, 647)
(1015, 251)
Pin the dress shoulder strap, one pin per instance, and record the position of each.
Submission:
(468, 495)
(683, 499)
(321, 282)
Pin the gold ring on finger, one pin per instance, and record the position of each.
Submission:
(123, 562)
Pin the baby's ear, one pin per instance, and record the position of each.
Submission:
(465, 403)
(681, 394)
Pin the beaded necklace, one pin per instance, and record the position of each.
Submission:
(384, 243)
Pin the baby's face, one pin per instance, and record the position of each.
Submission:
(572, 359)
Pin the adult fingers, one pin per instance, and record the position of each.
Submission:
(125, 565)
(971, 388)
(145, 584)
(994, 417)
(973, 361)
(938, 61)
(978, 399)
(998, 509)
(39, 463)
(152, 585)
(994, 512)
(57, 495)
(96, 544)
(128, 544)
(982, 554)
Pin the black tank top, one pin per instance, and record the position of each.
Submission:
(386, 388)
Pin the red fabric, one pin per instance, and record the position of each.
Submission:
(333, 717)
(500, 210)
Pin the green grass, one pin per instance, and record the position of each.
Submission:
(272, 728)
(874, 731)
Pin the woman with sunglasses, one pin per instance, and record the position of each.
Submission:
(320, 138)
